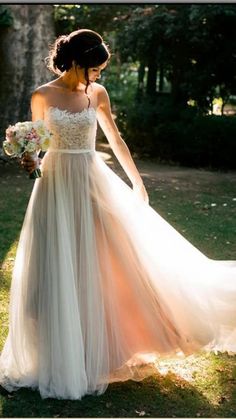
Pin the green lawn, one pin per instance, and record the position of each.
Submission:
(202, 206)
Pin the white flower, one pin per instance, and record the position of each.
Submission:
(31, 147)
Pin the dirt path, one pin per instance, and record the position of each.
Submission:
(154, 173)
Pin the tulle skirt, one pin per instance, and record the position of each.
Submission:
(103, 285)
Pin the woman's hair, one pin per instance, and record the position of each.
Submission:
(83, 47)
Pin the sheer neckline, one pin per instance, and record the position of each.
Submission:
(67, 112)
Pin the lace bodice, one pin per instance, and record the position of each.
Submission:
(72, 130)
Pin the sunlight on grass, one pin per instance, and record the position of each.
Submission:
(186, 368)
(9, 259)
(211, 375)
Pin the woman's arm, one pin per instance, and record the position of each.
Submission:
(37, 105)
(37, 109)
(117, 144)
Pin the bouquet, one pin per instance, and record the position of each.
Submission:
(27, 137)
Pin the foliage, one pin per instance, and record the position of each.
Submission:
(102, 19)
(6, 18)
(156, 128)
(120, 82)
(190, 45)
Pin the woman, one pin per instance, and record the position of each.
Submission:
(102, 285)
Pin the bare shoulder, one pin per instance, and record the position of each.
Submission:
(44, 89)
(101, 93)
(42, 95)
(39, 95)
(99, 89)
(37, 98)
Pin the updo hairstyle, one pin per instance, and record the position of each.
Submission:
(83, 47)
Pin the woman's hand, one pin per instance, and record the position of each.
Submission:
(141, 192)
(28, 163)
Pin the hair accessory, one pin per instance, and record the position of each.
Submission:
(91, 49)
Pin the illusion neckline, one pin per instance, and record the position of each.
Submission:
(67, 112)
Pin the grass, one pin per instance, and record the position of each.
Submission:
(202, 206)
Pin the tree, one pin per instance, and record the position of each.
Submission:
(189, 45)
(25, 33)
(214, 53)
(101, 18)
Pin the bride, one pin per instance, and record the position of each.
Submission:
(102, 284)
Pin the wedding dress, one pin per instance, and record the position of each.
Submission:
(102, 283)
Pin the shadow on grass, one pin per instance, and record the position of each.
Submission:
(211, 394)
(156, 396)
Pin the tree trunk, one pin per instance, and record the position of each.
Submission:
(152, 77)
(161, 77)
(178, 95)
(23, 47)
(141, 74)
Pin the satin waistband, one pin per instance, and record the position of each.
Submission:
(72, 150)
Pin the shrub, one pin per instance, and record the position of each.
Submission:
(157, 129)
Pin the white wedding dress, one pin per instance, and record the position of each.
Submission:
(102, 283)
